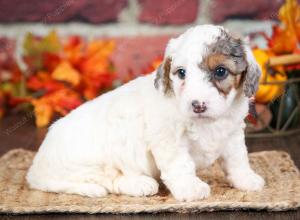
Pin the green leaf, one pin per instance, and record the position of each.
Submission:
(37, 46)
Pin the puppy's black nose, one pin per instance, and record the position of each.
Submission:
(198, 107)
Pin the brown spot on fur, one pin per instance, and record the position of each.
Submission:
(163, 77)
(238, 81)
(166, 77)
(227, 52)
(215, 60)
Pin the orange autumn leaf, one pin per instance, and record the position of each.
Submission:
(96, 68)
(43, 75)
(61, 101)
(73, 49)
(97, 55)
(289, 15)
(95, 82)
(90, 92)
(65, 72)
(278, 43)
(14, 100)
(43, 81)
(103, 47)
(96, 63)
(50, 61)
(43, 112)
(65, 100)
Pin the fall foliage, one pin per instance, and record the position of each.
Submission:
(60, 75)
(284, 40)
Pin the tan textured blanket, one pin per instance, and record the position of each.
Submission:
(282, 191)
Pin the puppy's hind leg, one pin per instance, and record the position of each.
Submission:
(62, 186)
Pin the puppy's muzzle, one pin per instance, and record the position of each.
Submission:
(199, 107)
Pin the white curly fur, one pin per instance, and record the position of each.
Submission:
(124, 140)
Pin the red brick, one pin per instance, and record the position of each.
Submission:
(220, 10)
(168, 11)
(60, 10)
(7, 52)
(135, 54)
(96, 11)
(36, 10)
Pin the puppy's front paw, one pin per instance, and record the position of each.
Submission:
(248, 181)
(137, 186)
(189, 189)
(88, 189)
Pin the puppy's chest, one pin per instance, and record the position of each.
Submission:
(204, 153)
(205, 145)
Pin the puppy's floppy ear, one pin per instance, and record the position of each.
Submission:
(252, 74)
(162, 80)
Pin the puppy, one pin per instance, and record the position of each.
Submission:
(180, 118)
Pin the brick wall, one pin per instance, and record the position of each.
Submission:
(140, 27)
(157, 12)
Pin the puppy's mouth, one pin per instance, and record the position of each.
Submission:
(201, 116)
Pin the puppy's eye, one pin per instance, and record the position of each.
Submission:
(181, 73)
(220, 73)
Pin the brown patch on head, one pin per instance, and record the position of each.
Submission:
(163, 77)
(227, 52)
(215, 60)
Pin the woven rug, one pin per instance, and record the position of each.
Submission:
(282, 191)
